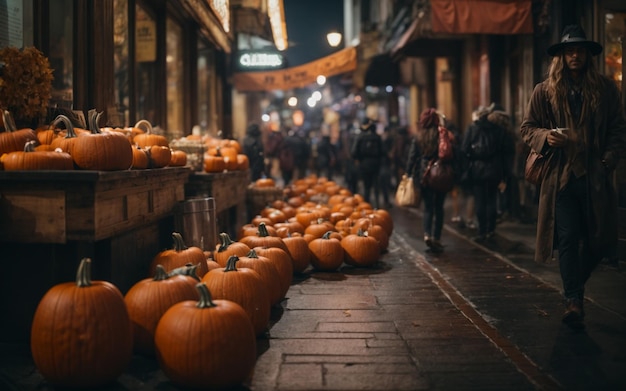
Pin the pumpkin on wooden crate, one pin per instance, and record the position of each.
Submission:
(140, 158)
(158, 156)
(180, 255)
(31, 159)
(148, 300)
(206, 344)
(245, 287)
(12, 139)
(147, 138)
(178, 158)
(81, 335)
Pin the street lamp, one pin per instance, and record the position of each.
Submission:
(333, 38)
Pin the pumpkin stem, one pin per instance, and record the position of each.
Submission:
(160, 274)
(30, 146)
(93, 117)
(230, 264)
(263, 230)
(252, 254)
(179, 243)
(226, 241)
(7, 119)
(206, 301)
(360, 232)
(68, 125)
(146, 123)
(83, 275)
(327, 235)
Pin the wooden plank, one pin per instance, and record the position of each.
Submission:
(33, 216)
(96, 205)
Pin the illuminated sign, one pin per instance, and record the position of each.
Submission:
(260, 60)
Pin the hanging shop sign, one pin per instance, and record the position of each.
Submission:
(253, 60)
(146, 40)
(340, 62)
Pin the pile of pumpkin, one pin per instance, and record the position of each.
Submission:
(200, 311)
(219, 154)
(61, 146)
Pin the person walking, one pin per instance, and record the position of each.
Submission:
(253, 149)
(575, 116)
(423, 151)
(488, 148)
(367, 150)
(326, 158)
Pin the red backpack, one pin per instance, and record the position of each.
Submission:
(446, 141)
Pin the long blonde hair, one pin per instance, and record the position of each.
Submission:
(558, 86)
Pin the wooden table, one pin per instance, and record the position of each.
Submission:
(50, 220)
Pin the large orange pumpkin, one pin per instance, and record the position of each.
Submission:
(147, 138)
(81, 335)
(148, 300)
(245, 287)
(12, 139)
(30, 159)
(209, 344)
(228, 247)
(326, 253)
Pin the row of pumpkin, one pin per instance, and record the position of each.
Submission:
(106, 149)
(201, 312)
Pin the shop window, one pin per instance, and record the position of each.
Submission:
(61, 16)
(174, 64)
(146, 65)
(121, 62)
(614, 44)
(206, 100)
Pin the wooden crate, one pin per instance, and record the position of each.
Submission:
(260, 197)
(62, 206)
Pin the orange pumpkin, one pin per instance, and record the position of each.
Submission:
(81, 334)
(140, 158)
(148, 138)
(193, 357)
(327, 254)
(227, 247)
(11, 139)
(180, 255)
(159, 156)
(360, 249)
(148, 300)
(30, 159)
(243, 286)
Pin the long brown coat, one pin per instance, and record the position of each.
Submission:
(609, 142)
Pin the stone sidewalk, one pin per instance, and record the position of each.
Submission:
(476, 317)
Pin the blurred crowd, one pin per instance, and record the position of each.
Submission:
(370, 159)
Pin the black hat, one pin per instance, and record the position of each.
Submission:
(574, 35)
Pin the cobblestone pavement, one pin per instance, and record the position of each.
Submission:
(476, 317)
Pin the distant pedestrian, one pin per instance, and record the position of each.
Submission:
(488, 147)
(385, 174)
(399, 152)
(348, 164)
(253, 149)
(326, 158)
(367, 150)
(423, 151)
(576, 118)
(272, 145)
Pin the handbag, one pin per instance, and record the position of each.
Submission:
(439, 176)
(407, 194)
(536, 165)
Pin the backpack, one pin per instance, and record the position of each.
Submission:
(485, 144)
(446, 147)
(369, 147)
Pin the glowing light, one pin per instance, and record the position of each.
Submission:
(265, 117)
(333, 38)
(311, 102)
(276, 13)
(321, 80)
(293, 101)
(389, 88)
(221, 10)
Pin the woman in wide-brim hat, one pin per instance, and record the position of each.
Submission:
(575, 118)
(574, 35)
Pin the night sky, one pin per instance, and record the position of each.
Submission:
(308, 22)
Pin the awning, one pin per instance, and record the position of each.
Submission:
(382, 71)
(482, 16)
(300, 76)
